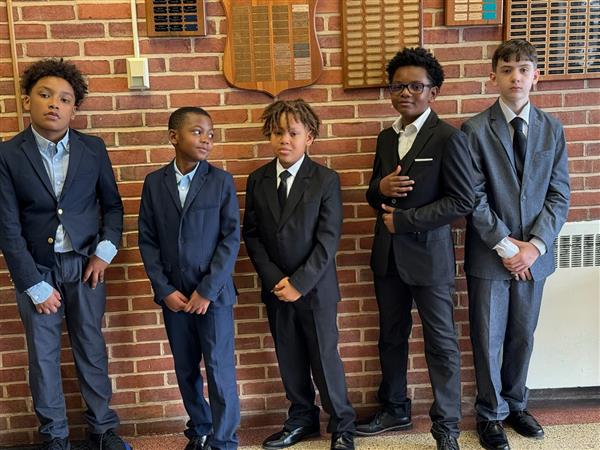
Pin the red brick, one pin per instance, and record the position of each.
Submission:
(47, 13)
(104, 11)
(108, 48)
(52, 49)
(76, 30)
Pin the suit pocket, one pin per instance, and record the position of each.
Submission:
(437, 234)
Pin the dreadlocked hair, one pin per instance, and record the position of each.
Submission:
(298, 109)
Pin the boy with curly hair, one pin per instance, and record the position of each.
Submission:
(421, 183)
(60, 224)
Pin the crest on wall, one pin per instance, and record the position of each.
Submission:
(271, 44)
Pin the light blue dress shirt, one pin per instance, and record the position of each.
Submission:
(56, 162)
(184, 182)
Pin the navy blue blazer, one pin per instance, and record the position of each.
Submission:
(301, 241)
(89, 207)
(193, 247)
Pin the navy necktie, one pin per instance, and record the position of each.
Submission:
(519, 145)
(282, 189)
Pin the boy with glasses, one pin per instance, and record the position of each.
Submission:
(421, 183)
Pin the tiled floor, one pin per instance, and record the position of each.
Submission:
(570, 427)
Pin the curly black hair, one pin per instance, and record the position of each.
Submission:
(178, 116)
(298, 109)
(55, 67)
(417, 57)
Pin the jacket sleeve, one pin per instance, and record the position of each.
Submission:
(110, 201)
(486, 223)
(19, 260)
(374, 196)
(556, 205)
(327, 238)
(457, 201)
(223, 260)
(269, 273)
(150, 247)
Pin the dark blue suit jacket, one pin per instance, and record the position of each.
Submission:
(193, 247)
(89, 207)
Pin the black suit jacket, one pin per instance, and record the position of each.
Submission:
(89, 207)
(440, 164)
(301, 241)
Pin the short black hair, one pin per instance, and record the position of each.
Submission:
(417, 57)
(298, 109)
(55, 67)
(178, 116)
(517, 48)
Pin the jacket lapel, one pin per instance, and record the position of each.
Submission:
(76, 150)
(170, 183)
(268, 189)
(300, 185)
(500, 128)
(421, 140)
(30, 148)
(534, 131)
(197, 183)
(389, 156)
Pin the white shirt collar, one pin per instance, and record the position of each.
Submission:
(414, 126)
(293, 169)
(509, 114)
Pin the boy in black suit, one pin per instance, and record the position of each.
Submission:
(60, 225)
(189, 226)
(292, 227)
(421, 183)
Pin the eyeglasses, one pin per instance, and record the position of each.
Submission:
(416, 87)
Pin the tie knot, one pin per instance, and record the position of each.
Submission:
(284, 175)
(518, 124)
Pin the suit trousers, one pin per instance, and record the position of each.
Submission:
(435, 307)
(83, 308)
(503, 315)
(306, 341)
(209, 336)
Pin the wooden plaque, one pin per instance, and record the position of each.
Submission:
(565, 33)
(373, 32)
(271, 44)
(175, 18)
(473, 12)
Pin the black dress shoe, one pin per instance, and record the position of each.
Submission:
(446, 442)
(342, 441)
(491, 435)
(382, 422)
(525, 424)
(286, 438)
(197, 443)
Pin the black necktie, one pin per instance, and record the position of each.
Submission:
(282, 189)
(519, 145)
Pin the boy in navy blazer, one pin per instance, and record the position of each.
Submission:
(521, 202)
(292, 227)
(60, 225)
(189, 237)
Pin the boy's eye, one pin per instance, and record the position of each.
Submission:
(66, 100)
(211, 135)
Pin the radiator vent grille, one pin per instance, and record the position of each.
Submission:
(577, 250)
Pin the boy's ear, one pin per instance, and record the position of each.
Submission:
(27, 103)
(309, 139)
(173, 137)
(536, 76)
(493, 77)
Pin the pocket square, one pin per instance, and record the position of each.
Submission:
(423, 159)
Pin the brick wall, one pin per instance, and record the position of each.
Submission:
(184, 71)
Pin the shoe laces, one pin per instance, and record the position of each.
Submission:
(447, 442)
(111, 441)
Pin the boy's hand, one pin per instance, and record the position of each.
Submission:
(94, 271)
(395, 185)
(50, 305)
(285, 291)
(523, 276)
(388, 218)
(197, 304)
(176, 301)
(523, 260)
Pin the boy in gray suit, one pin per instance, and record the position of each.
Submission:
(522, 199)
